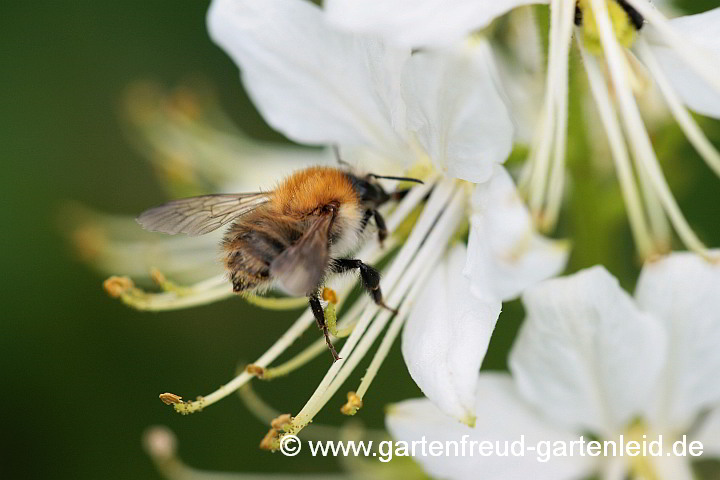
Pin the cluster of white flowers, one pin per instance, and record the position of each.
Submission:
(682, 56)
(589, 358)
(420, 88)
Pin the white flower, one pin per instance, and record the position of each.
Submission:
(437, 114)
(590, 358)
(434, 115)
(319, 85)
(682, 56)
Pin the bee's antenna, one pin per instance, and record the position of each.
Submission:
(336, 151)
(402, 179)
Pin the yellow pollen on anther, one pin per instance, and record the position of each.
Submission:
(353, 404)
(329, 295)
(170, 398)
(280, 422)
(116, 286)
(256, 370)
(157, 277)
(269, 440)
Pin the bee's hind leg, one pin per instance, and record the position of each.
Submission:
(319, 314)
(369, 276)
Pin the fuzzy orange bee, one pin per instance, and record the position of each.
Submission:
(291, 237)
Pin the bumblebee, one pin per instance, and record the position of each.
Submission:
(291, 237)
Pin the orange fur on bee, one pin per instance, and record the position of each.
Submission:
(304, 191)
(255, 239)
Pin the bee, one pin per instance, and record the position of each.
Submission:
(291, 237)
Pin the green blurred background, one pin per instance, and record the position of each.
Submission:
(80, 371)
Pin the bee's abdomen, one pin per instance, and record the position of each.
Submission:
(250, 249)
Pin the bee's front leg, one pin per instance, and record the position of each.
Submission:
(379, 221)
(319, 314)
(382, 228)
(369, 276)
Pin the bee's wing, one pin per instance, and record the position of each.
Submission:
(200, 215)
(301, 267)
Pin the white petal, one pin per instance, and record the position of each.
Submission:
(709, 433)
(456, 113)
(703, 30)
(586, 355)
(503, 418)
(683, 292)
(419, 23)
(446, 337)
(505, 254)
(258, 166)
(309, 81)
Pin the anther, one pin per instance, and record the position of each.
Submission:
(170, 398)
(116, 286)
(280, 422)
(157, 277)
(269, 441)
(353, 404)
(277, 425)
(329, 295)
(255, 370)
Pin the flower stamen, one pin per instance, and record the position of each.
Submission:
(404, 208)
(619, 154)
(688, 125)
(174, 297)
(638, 136)
(440, 195)
(317, 347)
(442, 216)
(544, 197)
